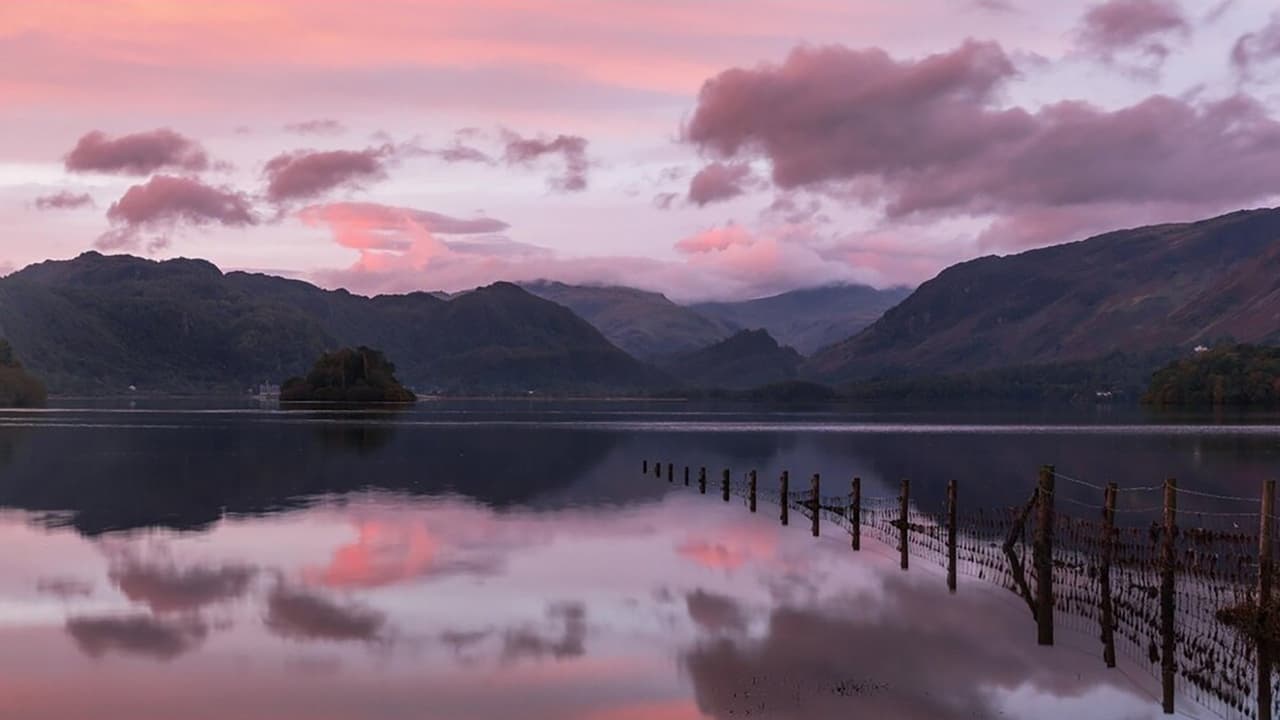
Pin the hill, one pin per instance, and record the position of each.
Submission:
(99, 324)
(362, 375)
(748, 359)
(1225, 375)
(18, 388)
(1139, 291)
(810, 319)
(645, 324)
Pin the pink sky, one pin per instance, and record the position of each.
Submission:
(698, 147)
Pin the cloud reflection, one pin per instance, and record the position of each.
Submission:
(141, 635)
(298, 615)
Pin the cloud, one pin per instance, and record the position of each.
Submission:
(64, 588)
(716, 613)
(136, 635)
(1257, 48)
(300, 615)
(164, 201)
(895, 653)
(1132, 27)
(305, 174)
(385, 553)
(316, 127)
(528, 643)
(927, 138)
(170, 589)
(572, 150)
(137, 154)
(64, 200)
(718, 181)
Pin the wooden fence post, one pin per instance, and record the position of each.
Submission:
(1266, 566)
(724, 484)
(1168, 562)
(702, 480)
(786, 481)
(1108, 545)
(686, 476)
(657, 470)
(951, 535)
(671, 473)
(751, 490)
(855, 513)
(904, 504)
(1042, 549)
(817, 503)
(645, 467)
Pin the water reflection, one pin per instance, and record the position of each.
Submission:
(675, 608)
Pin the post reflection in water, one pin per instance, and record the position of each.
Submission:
(315, 566)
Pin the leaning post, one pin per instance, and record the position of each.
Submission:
(1266, 568)
(855, 513)
(1108, 546)
(1042, 547)
(951, 535)
(1168, 563)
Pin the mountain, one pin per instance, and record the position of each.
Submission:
(811, 319)
(645, 324)
(1138, 291)
(748, 359)
(101, 323)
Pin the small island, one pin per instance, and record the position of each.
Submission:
(1224, 375)
(18, 388)
(359, 375)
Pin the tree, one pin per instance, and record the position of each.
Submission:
(361, 374)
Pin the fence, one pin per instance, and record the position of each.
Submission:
(1190, 603)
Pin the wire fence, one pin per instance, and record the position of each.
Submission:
(1117, 567)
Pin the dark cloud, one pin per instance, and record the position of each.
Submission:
(1132, 27)
(718, 181)
(903, 653)
(310, 173)
(316, 127)
(171, 589)
(459, 153)
(1257, 48)
(715, 613)
(1216, 12)
(664, 201)
(63, 200)
(930, 137)
(137, 154)
(164, 201)
(300, 615)
(572, 150)
(136, 635)
(568, 642)
(1000, 6)
(65, 588)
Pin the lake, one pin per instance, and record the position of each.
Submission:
(471, 559)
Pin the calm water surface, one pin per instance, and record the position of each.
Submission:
(501, 560)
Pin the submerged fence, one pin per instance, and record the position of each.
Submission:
(1187, 596)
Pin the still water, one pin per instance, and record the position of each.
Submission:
(504, 560)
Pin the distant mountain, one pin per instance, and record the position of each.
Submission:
(749, 359)
(1139, 291)
(101, 323)
(811, 319)
(645, 324)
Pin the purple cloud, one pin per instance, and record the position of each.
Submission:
(572, 150)
(310, 173)
(1257, 48)
(718, 181)
(64, 200)
(164, 201)
(137, 154)
(301, 615)
(1141, 27)
(316, 127)
(136, 635)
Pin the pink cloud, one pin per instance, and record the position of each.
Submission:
(310, 173)
(572, 150)
(64, 200)
(718, 181)
(164, 201)
(137, 154)
(926, 137)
